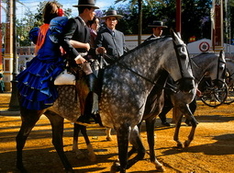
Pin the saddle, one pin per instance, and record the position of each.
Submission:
(73, 72)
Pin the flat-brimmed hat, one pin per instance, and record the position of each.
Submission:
(86, 3)
(156, 24)
(112, 13)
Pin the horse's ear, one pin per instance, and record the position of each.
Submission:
(221, 54)
(175, 34)
(172, 33)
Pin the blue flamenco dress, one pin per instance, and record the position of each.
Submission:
(36, 82)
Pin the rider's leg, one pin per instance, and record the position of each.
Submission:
(91, 104)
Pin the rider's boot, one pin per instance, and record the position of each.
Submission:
(91, 103)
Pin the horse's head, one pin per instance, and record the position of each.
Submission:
(219, 73)
(184, 77)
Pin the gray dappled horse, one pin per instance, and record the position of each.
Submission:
(126, 86)
(205, 64)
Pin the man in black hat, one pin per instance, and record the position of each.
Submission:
(76, 45)
(157, 28)
(110, 38)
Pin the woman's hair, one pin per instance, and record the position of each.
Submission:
(90, 22)
(50, 11)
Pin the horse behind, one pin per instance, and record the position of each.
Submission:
(126, 86)
(205, 64)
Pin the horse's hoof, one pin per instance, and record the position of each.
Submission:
(92, 157)
(108, 138)
(187, 143)
(21, 168)
(80, 155)
(160, 169)
(69, 171)
(179, 145)
(115, 167)
(166, 124)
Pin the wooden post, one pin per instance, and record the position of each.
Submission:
(178, 16)
(8, 55)
(217, 26)
(14, 102)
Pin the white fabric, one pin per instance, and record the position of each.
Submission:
(65, 78)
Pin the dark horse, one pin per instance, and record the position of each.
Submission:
(126, 86)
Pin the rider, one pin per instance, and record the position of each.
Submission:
(157, 28)
(110, 38)
(35, 83)
(78, 32)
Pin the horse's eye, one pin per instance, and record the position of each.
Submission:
(221, 68)
(182, 52)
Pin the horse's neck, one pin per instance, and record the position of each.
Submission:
(144, 61)
(201, 65)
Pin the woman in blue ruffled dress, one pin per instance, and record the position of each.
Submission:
(36, 82)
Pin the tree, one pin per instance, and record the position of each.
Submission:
(195, 17)
(139, 4)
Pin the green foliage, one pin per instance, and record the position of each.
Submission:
(195, 17)
(30, 21)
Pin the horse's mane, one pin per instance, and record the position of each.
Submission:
(137, 48)
(145, 43)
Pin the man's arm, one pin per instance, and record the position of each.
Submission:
(73, 54)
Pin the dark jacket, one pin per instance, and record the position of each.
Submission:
(153, 37)
(114, 44)
(77, 30)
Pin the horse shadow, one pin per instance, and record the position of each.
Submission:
(37, 159)
(214, 118)
(216, 148)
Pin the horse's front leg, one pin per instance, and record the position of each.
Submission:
(91, 154)
(123, 139)
(29, 119)
(193, 121)
(75, 148)
(108, 134)
(178, 118)
(135, 140)
(150, 137)
(57, 123)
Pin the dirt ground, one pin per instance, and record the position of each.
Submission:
(211, 151)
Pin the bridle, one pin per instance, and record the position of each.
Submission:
(179, 49)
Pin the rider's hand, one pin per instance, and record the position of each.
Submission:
(87, 46)
(80, 60)
(101, 50)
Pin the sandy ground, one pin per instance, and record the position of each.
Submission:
(211, 151)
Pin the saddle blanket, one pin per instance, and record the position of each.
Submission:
(65, 78)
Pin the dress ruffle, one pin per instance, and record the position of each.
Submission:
(36, 85)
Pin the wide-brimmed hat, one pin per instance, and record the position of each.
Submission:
(112, 13)
(156, 24)
(86, 3)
